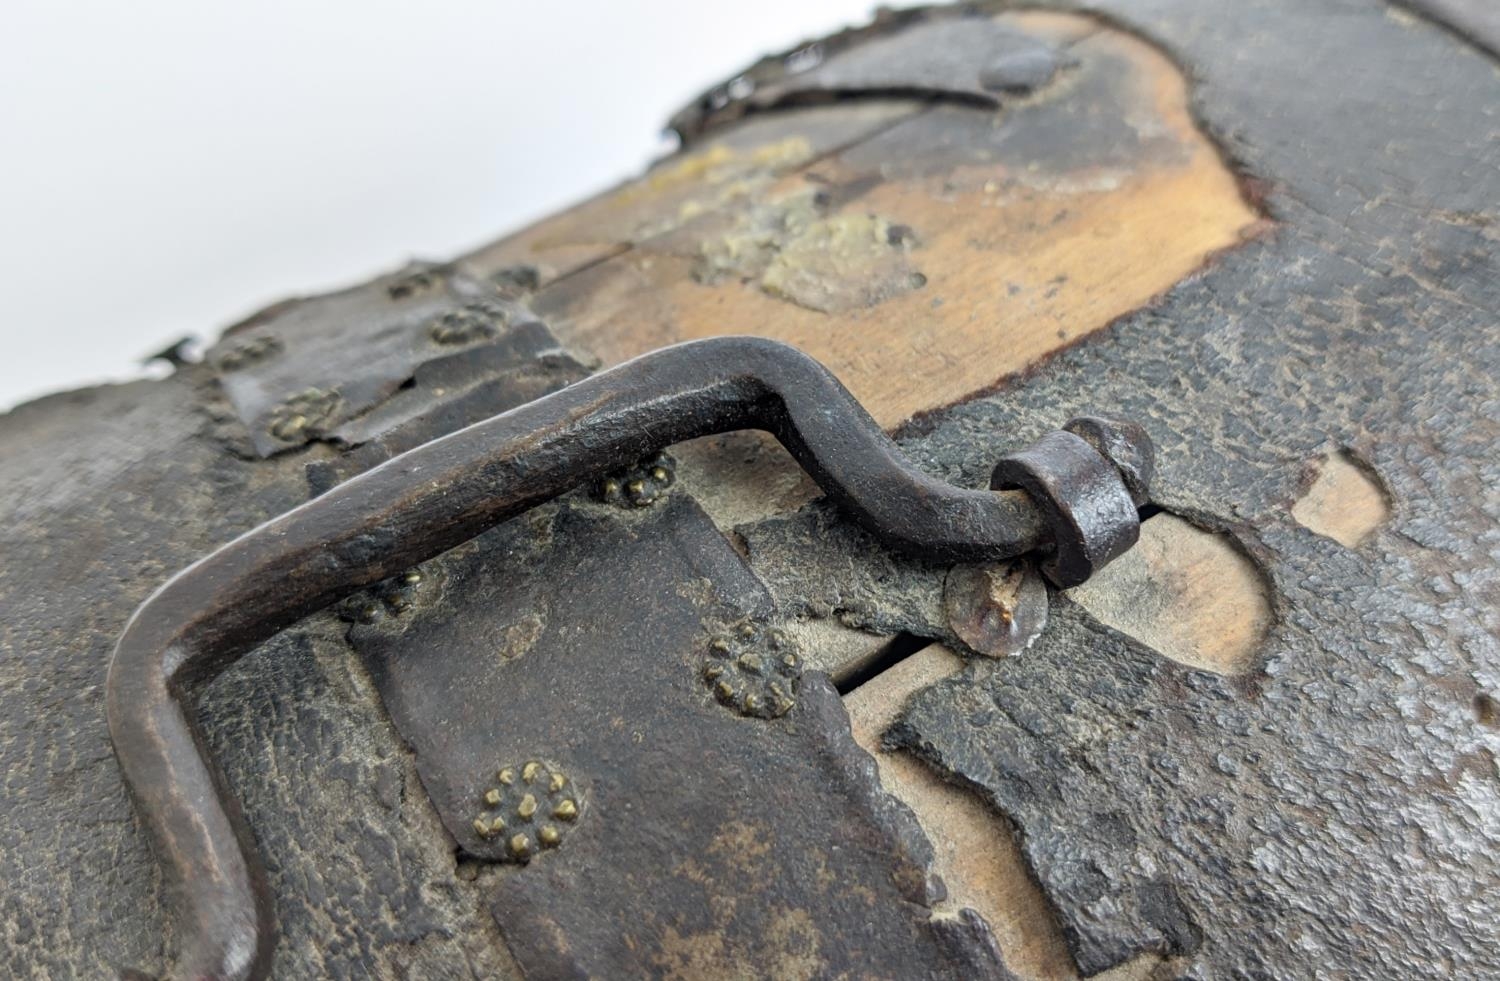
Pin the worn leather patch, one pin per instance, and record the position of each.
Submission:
(323, 367)
(560, 680)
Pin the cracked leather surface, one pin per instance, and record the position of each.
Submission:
(1333, 811)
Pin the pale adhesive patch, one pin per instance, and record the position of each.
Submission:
(974, 848)
(828, 263)
(1188, 594)
(722, 173)
(1343, 502)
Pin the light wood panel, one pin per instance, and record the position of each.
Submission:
(1187, 593)
(951, 249)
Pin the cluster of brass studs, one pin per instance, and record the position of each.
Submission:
(411, 284)
(390, 598)
(517, 280)
(248, 352)
(472, 322)
(529, 807)
(754, 671)
(302, 415)
(641, 485)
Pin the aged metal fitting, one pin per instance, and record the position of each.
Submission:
(527, 808)
(997, 610)
(477, 321)
(1083, 492)
(753, 671)
(1126, 445)
(1071, 503)
(639, 485)
(387, 599)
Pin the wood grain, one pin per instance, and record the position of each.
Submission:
(1188, 594)
(722, 173)
(932, 259)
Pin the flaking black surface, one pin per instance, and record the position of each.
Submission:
(341, 366)
(1334, 813)
(106, 493)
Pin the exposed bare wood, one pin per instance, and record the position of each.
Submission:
(975, 848)
(928, 262)
(742, 477)
(836, 650)
(722, 173)
(1343, 501)
(1187, 593)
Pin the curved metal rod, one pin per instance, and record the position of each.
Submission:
(436, 496)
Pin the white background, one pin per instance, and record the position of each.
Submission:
(168, 166)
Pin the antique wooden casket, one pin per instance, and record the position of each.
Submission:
(691, 719)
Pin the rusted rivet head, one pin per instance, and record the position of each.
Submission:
(1126, 445)
(996, 610)
(1083, 498)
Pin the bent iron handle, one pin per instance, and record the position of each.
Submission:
(438, 495)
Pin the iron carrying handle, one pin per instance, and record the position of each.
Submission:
(1076, 506)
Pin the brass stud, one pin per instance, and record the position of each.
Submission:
(752, 671)
(531, 798)
(297, 416)
(659, 473)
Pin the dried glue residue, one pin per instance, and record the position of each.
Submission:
(720, 162)
(826, 262)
